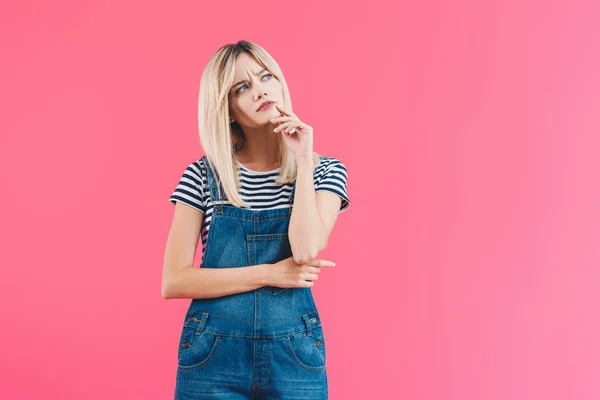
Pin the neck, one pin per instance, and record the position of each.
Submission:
(260, 149)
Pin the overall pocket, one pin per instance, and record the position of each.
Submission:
(196, 349)
(308, 352)
(269, 248)
(274, 290)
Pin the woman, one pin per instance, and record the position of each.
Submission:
(252, 329)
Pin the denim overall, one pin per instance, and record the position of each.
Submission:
(267, 343)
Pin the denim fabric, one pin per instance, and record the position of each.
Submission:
(267, 343)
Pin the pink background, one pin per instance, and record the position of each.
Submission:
(467, 265)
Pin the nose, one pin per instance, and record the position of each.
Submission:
(259, 93)
(260, 90)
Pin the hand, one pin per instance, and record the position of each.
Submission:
(287, 273)
(297, 135)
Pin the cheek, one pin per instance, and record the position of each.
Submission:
(242, 108)
(276, 84)
(236, 105)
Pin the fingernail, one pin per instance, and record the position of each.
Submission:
(333, 264)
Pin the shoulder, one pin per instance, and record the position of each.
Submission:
(329, 160)
(197, 168)
(331, 175)
(330, 165)
(191, 188)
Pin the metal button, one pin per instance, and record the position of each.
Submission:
(318, 343)
(186, 345)
(313, 320)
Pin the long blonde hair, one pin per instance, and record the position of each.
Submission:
(220, 138)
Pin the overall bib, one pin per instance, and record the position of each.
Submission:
(266, 343)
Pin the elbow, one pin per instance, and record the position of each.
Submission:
(305, 257)
(172, 279)
(323, 246)
(166, 290)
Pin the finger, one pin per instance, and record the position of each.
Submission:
(313, 277)
(287, 112)
(281, 119)
(307, 276)
(311, 268)
(292, 126)
(283, 126)
(279, 127)
(298, 128)
(322, 263)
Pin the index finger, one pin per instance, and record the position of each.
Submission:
(284, 110)
(322, 263)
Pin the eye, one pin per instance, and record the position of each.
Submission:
(240, 88)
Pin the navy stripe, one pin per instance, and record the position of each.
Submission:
(258, 189)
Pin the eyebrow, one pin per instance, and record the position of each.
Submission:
(246, 80)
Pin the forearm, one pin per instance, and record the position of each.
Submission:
(195, 283)
(306, 231)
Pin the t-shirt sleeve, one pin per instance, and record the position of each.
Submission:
(335, 179)
(190, 189)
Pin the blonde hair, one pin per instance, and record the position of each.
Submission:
(220, 138)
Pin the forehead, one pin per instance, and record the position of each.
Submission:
(244, 63)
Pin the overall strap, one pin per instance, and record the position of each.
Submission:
(292, 196)
(216, 193)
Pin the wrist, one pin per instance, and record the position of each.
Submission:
(261, 276)
(305, 161)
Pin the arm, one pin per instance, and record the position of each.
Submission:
(181, 280)
(194, 283)
(306, 231)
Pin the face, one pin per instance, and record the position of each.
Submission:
(257, 85)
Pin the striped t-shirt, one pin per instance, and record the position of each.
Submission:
(258, 189)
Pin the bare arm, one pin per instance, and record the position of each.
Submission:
(195, 283)
(306, 230)
(181, 280)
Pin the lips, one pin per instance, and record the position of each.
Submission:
(266, 103)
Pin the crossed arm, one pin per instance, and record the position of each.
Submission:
(313, 215)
